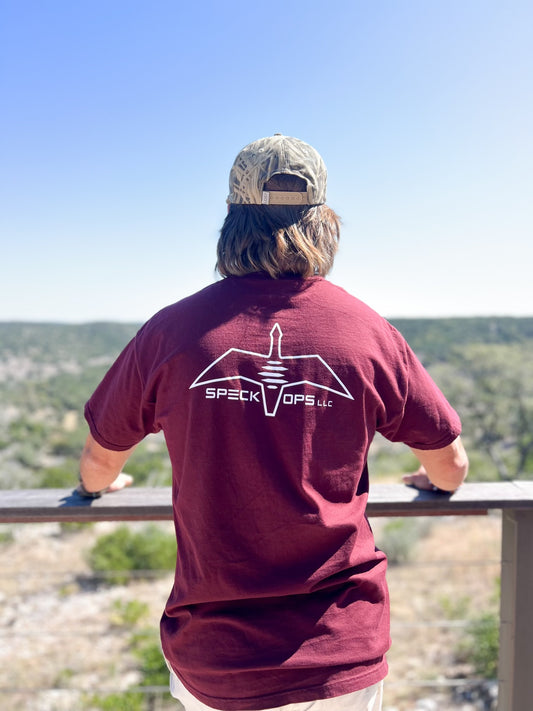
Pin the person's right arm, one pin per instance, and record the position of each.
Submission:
(445, 468)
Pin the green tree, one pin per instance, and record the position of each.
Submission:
(491, 385)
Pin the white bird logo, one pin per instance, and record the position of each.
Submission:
(272, 372)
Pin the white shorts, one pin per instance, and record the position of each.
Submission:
(369, 699)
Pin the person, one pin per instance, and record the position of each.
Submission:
(269, 386)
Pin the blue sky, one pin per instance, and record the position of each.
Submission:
(120, 121)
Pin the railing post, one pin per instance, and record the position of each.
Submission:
(516, 621)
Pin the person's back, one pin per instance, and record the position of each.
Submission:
(269, 386)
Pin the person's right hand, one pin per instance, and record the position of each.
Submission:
(419, 480)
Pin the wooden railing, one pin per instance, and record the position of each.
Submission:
(514, 499)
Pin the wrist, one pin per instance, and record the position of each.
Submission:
(438, 490)
(82, 491)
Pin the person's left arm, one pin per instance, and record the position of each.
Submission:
(101, 469)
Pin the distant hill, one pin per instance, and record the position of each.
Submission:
(53, 342)
(433, 339)
(49, 370)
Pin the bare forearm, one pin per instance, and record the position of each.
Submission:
(100, 467)
(447, 467)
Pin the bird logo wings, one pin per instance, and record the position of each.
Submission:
(274, 373)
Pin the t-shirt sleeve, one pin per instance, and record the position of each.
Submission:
(427, 420)
(118, 413)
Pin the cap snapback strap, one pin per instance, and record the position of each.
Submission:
(278, 197)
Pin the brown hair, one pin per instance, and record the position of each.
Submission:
(278, 239)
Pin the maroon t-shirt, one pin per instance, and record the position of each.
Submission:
(269, 393)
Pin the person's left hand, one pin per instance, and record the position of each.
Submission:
(121, 482)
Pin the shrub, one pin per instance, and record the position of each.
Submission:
(6, 536)
(455, 608)
(481, 645)
(150, 468)
(68, 444)
(126, 701)
(146, 647)
(73, 527)
(126, 614)
(399, 537)
(120, 553)
(63, 476)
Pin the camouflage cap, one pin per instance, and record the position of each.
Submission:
(260, 160)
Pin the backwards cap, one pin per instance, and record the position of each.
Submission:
(260, 160)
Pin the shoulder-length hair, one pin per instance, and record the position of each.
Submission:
(278, 239)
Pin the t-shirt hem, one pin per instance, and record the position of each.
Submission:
(320, 691)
